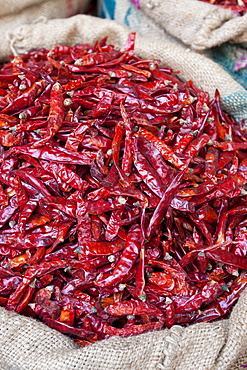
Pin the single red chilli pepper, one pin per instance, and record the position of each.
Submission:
(126, 261)
(67, 329)
(165, 151)
(196, 145)
(114, 225)
(211, 158)
(128, 148)
(140, 274)
(116, 144)
(132, 68)
(133, 307)
(156, 160)
(56, 114)
(97, 58)
(56, 154)
(170, 315)
(83, 223)
(130, 43)
(26, 300)
(133, 330)
(190, 256)
(147, 173)
(161, 209)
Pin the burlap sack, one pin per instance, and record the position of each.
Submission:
(28, 344)
(197, 24)
(14, 13)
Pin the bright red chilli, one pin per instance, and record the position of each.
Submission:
(122, 194)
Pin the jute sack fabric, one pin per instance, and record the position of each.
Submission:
(28, 344)
(14, 13)
(197, 24)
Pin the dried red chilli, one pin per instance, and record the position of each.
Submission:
(237, 6)
(122, 194)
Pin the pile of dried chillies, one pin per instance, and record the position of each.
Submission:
(123, 194)
(237, 6)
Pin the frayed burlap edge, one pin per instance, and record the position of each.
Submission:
(28, 344)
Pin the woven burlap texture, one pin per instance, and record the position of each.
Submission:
(28, 344)
(15, 6)
(197, 24)
(205, 73)
(14, 13)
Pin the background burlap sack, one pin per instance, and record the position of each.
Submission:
(14, 13)
(197, 24)
(28, 344)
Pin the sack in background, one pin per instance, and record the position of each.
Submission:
(28, 344)
(14, 13)
(197, 24)
(202, 26)
(191, 24)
